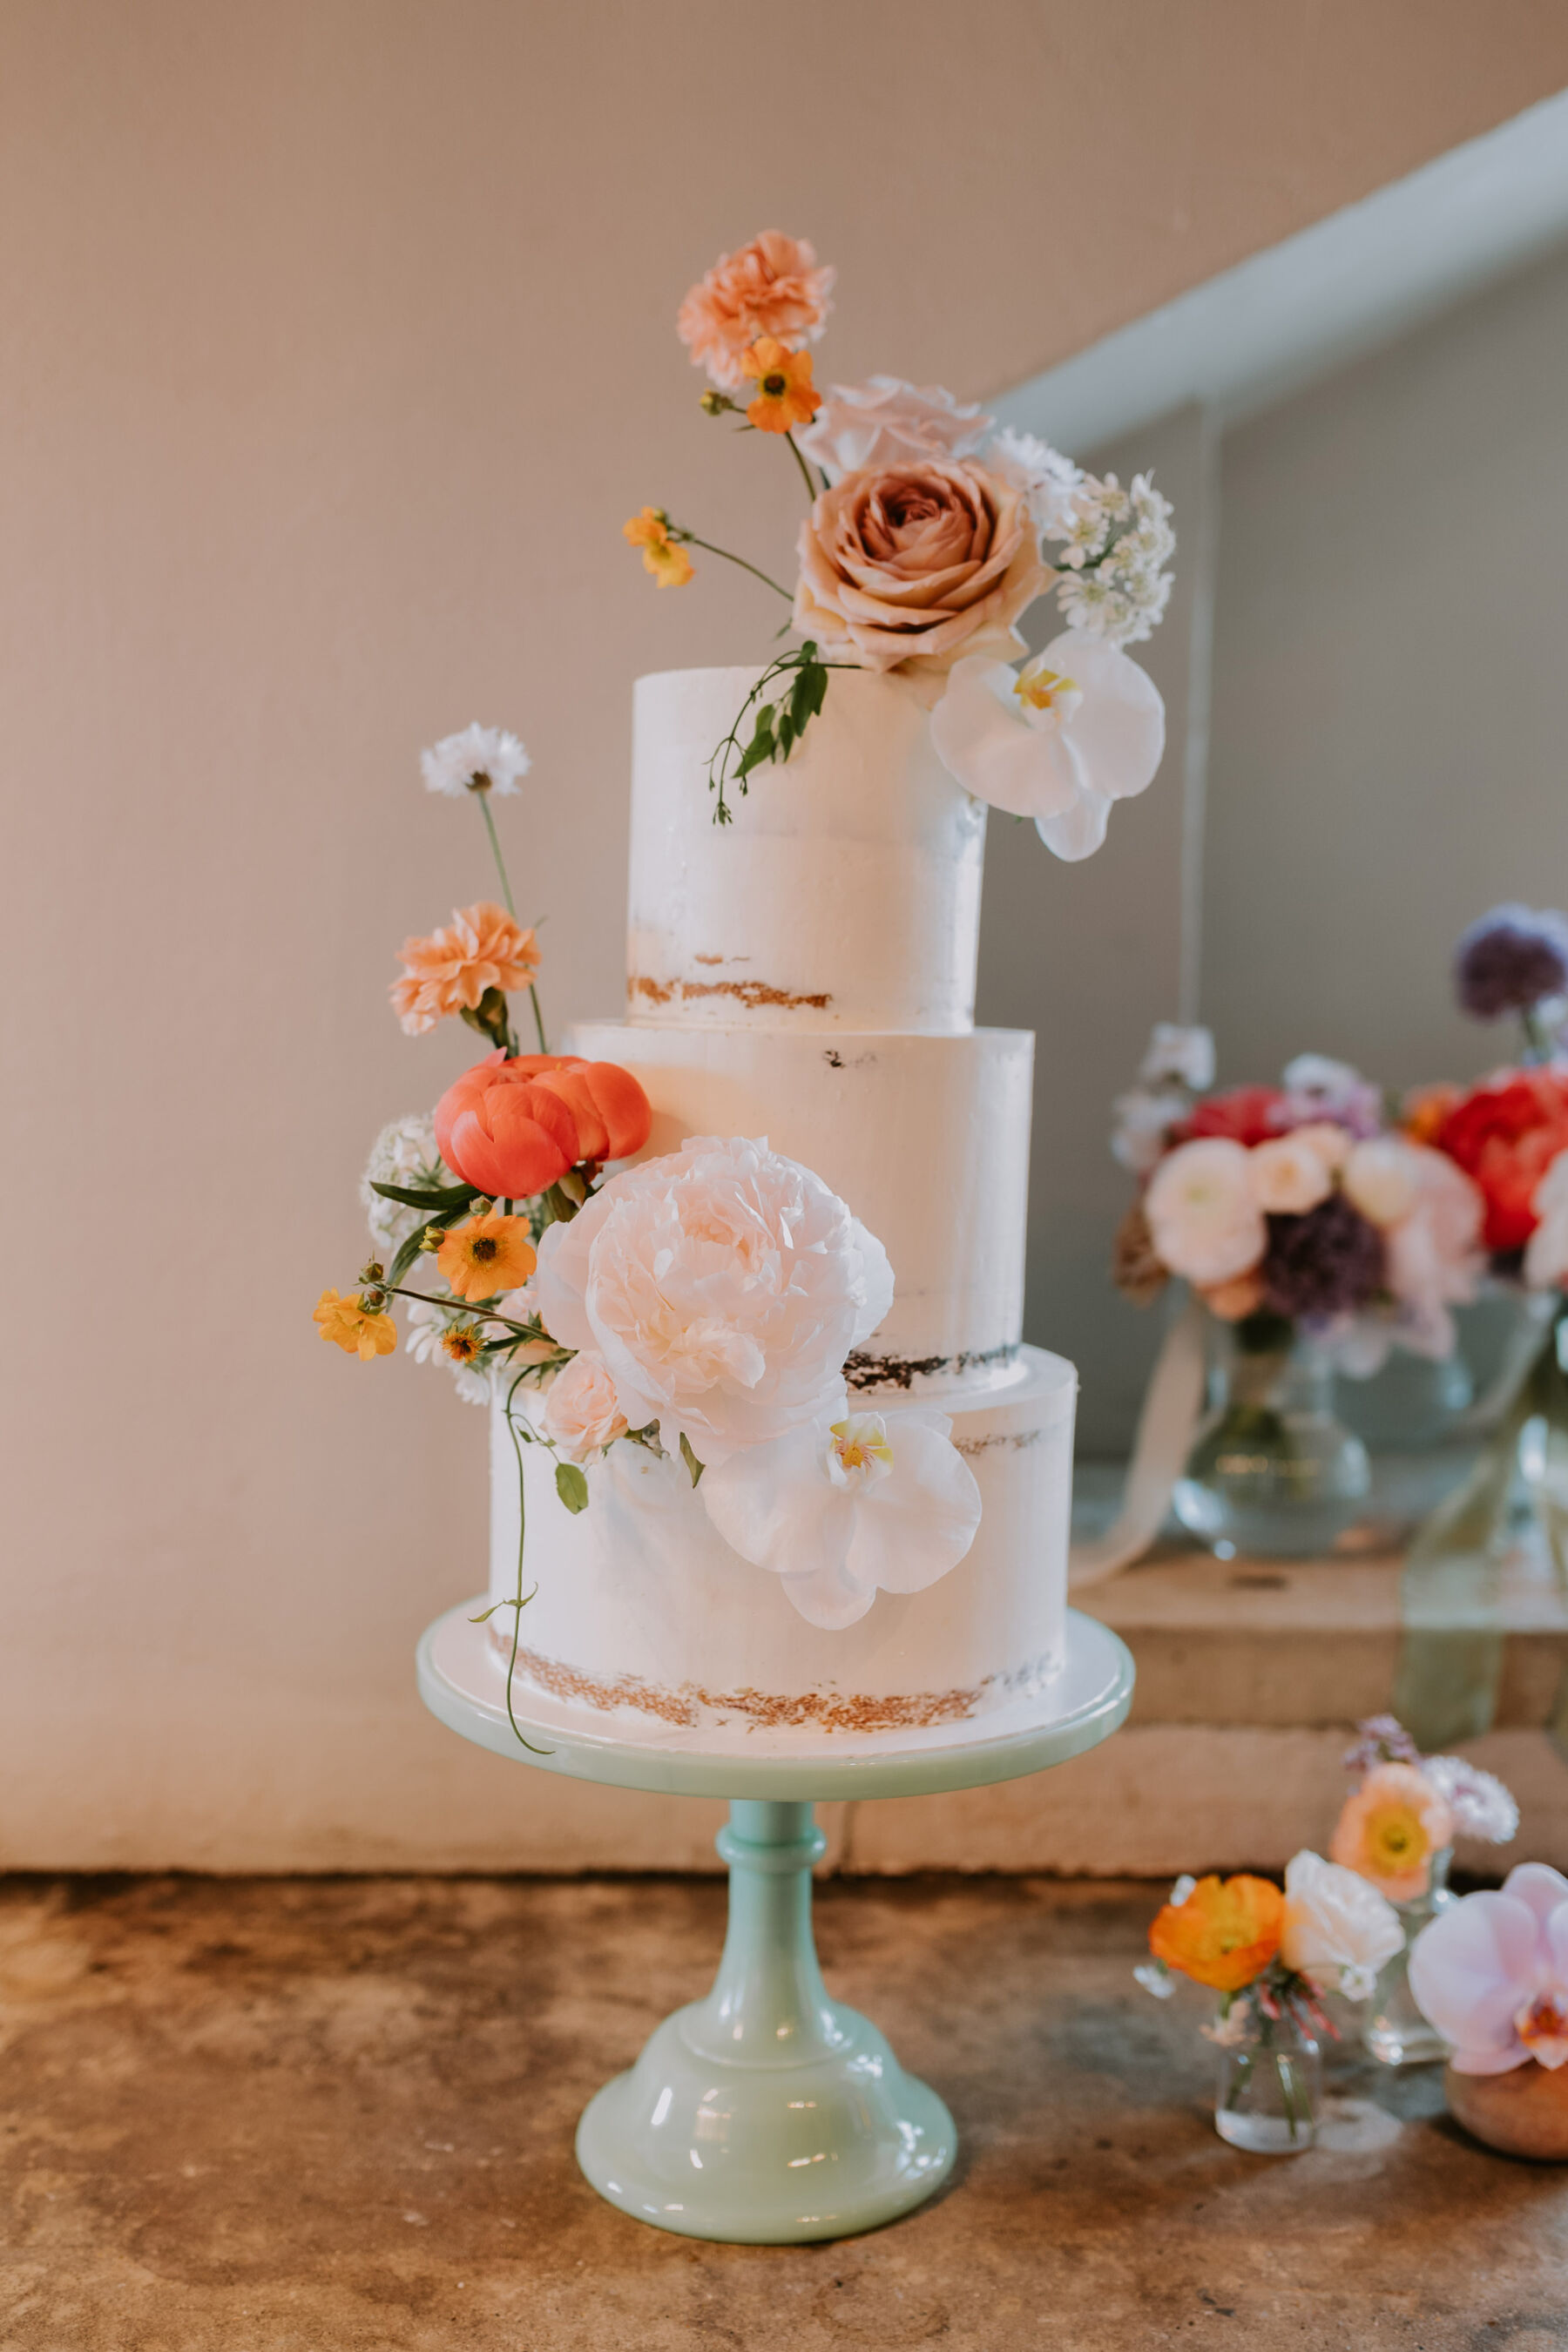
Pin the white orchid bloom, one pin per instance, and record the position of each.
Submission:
(1077, 728)
(842, 1509)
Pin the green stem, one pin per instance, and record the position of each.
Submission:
(805, 469)
(460, 1305)
(538, 1016)
(520, 1604)
(484, 801)
(689, 539)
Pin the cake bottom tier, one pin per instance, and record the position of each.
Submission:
(641, 1611)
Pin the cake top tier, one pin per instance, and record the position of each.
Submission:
(845, 893)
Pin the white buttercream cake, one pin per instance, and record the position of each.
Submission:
(807, 974)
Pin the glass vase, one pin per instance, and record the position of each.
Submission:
(1395, 2032)
(1271, 2081)
(1272, 1472)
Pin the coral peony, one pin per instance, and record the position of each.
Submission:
(772, 287)
(1505, 1134)
(908, 566)
(785, 395)
(486, 1255)
(723, 1286)
(513, 1127)
(1391, 1827)
(482, 947)
(582, 1412)
(1205, 1222)
(1224, 1934)
(886, 422)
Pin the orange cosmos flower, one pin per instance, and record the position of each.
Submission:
(1390, 1830)
(668, 561)
(482, 947)
(785, 394)
(1224, 1934)
(348, 1324)
(487, 1255)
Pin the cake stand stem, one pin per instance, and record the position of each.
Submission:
(767, 2113)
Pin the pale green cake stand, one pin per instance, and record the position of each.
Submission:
(768, 2113)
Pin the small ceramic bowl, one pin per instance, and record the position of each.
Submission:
(1522, 2112)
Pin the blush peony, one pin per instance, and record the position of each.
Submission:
(886, 422)
(906, 566)
(514, 1125)
(582, 1412)
(842, 1510)
(1203, 1213)
(723, 1287)
(773, 286)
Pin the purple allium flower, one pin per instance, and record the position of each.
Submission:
(1322, 1263)
(1510, 960)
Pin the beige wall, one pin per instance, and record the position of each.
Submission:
(337, 339)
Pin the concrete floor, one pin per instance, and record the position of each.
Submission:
(325, 2116)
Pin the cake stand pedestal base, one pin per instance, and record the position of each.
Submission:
(768, 2113)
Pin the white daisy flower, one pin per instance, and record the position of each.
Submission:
(480, 760)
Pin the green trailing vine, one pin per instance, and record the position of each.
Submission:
(777, 725)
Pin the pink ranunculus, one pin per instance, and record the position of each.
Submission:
(772, 287)
(722, 1285)
(582, 1412)
(1203, 1213)
(1289, 1176)
(908, 566)
(886, 422)
(1434, 1259)
(1491, 1973)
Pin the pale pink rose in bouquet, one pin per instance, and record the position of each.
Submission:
(909, 566)
(1290, 1176)
(722, 1287)
(886, 422)
(773, 286)
(582, 1412)
(1204, 1213)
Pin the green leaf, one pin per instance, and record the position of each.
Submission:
(572, 1486)
(429, 1196)
(687, 1456)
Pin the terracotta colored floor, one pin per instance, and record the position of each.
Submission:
(319, 2115)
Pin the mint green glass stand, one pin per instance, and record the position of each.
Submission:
(769, 2114)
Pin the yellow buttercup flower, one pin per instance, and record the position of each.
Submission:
(359, 1330)
(785, 394)
(668, 561)
(487, 1255)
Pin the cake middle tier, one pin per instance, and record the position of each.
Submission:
(926, 1138)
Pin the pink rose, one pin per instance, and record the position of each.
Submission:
(887, 422)
(772, 287)
(908, 566)
(582, 1413)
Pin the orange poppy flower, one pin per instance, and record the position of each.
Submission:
(348, 1324)
(785, 394)
(663, 556)
(1224, 1934)
(487, 1255)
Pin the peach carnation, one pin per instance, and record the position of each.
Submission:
(482, 947)
(909, 566)
(772, 287)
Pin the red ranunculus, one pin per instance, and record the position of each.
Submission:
(1506, 1134)
(1247, 1115)
(514, 1127)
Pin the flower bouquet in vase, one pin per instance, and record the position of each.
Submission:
(1315, 1238)
(1396, 1830)
(1508, 1521)
(1272, 1956)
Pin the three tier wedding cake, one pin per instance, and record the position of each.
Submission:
(739, 1276)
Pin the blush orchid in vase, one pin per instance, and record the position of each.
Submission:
(928, 536)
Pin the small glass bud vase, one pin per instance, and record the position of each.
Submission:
(1273, 1473)
(1395, 2032)
(1270, 2079)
